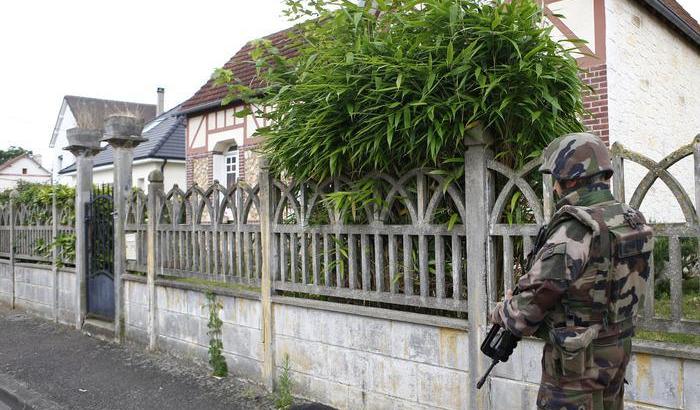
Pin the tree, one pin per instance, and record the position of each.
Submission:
(8, 154)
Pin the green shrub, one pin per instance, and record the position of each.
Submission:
(39, 198)
(399, 87)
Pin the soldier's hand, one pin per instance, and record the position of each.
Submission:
(496, 314)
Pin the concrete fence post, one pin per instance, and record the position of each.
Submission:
(266, 206)
(84, 145)
(696, 159)
(123, 134)
(155, 191)
(477, 193)
(54, 252)
(13, 220)
(618, 164)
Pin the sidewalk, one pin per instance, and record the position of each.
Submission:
(60, 367)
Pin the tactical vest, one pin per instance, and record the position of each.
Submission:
(613, 283)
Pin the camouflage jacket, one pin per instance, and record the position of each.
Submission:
(591, 270)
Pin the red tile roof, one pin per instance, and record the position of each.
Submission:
(243, 69)
(679, 11)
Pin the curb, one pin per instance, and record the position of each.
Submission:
(17, 396)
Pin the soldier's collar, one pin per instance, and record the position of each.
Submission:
(587, 195)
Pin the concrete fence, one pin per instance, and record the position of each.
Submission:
(382, 306)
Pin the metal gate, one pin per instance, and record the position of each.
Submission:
(100, 253)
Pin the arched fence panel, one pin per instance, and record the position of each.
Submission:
(211, 234)
(523, 201)
(404, 244)
(30, 232)
(674, 277)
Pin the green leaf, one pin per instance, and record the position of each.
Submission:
(398, 81)
(454, 218)
(349, 57)
(450, 53)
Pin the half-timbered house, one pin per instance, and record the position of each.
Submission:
(641, 59)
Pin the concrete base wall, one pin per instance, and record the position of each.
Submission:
(353, 357)
(656, 381)
(182, 317)
(34, 289)
(358, 362)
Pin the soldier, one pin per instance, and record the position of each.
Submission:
(582, 289)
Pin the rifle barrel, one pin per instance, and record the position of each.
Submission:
(483, 378)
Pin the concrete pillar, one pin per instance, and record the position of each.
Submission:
(478, 194)
(266, 205)
(54, 253)
(84, 145)
(123, 134)
(696, 159)
(13, 220)
(155, 192)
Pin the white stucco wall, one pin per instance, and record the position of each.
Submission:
(654, 97)
(12, 174)
(173, 173)
(59, 157)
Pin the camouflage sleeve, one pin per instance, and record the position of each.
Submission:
(561, 260)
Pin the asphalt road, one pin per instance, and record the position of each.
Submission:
(61, 368)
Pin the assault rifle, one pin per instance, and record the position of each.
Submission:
(500, 342)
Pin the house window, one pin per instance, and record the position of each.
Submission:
(24, 171)
(231, 161)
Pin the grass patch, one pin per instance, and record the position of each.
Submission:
(691, 307)
(681, 338)
(213, 284)
(662, 308)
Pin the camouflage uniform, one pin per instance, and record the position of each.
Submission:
(583, 287)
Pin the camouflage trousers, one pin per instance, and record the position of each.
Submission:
(593, 379)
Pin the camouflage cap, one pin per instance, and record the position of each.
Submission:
(577, 155)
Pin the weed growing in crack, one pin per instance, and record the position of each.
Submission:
(283, 393)
(216, 345)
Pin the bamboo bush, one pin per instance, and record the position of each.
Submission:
(394, 85)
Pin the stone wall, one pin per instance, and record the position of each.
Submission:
(658, 378)
(354, 357)
(182, 318)
(199, 169)
(653, 100)
(34, 290)
(359, 362)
